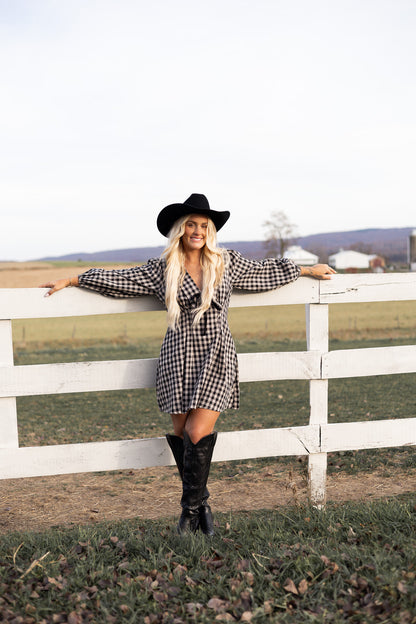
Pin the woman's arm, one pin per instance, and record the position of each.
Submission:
(318, 271)
(146, 279)
(261, 275)
(60, 284)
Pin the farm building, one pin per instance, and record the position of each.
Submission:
(300, 256)
(349, 259)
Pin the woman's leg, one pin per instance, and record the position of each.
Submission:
(178, 422)
(192, 446)
(198, 441)
(199, 423)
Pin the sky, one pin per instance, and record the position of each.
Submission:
(112, 109)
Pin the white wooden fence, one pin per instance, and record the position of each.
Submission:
(316, 364)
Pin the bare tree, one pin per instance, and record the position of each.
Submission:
(280, 233)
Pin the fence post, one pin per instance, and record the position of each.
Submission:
(8, 412)
(317, 340)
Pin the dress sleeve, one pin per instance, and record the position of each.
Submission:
(261, 275)
(146, 279)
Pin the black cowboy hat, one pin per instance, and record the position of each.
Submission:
(195, 204)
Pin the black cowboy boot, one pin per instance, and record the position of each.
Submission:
(206, 522)
(196, 464)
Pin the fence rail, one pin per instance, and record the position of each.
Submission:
(317, 364)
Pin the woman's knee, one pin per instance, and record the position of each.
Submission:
(200, 423)
(178, 430)
(178, 422)
(197, 431)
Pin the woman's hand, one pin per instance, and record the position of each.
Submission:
(59, 285)
(318, 271)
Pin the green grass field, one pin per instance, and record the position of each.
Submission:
(349, 563)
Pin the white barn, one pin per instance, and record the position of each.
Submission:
(349, 259)
(300, 256)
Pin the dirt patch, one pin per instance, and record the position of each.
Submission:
(43, 502)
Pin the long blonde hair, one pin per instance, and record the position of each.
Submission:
(213, 261)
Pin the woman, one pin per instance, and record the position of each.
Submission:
(197, 374)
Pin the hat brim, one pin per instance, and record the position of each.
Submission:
(173, 212)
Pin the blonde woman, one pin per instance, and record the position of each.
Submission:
(197, 373)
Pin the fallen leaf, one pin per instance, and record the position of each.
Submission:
(246, 599)
(30, 608)
(160, 596)
(303, 586)
(216, 604)
(402, 587)
(247, 616)
(405, 617)
(193, 607)
(56, 582)
(249, 577)
(243, 564)
(289, 586)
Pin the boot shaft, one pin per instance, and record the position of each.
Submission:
(196, 466)
(176, 446)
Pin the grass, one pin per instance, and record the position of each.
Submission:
(352, 563)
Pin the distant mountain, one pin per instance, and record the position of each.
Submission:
(390, 243)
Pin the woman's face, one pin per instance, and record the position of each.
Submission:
(195, 234)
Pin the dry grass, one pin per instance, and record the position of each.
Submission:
(31, 274)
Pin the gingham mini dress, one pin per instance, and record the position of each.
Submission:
(198, 365)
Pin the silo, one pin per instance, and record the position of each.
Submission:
(412, 251)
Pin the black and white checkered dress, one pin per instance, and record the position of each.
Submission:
(198, 364)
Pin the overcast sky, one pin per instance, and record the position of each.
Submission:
(111, 109)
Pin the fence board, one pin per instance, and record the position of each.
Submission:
(366, 362)
(21, 303)
(304, 290)
(35, 379)
(269, 366)
(363, 287)
(132, 454)
(367, 435)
